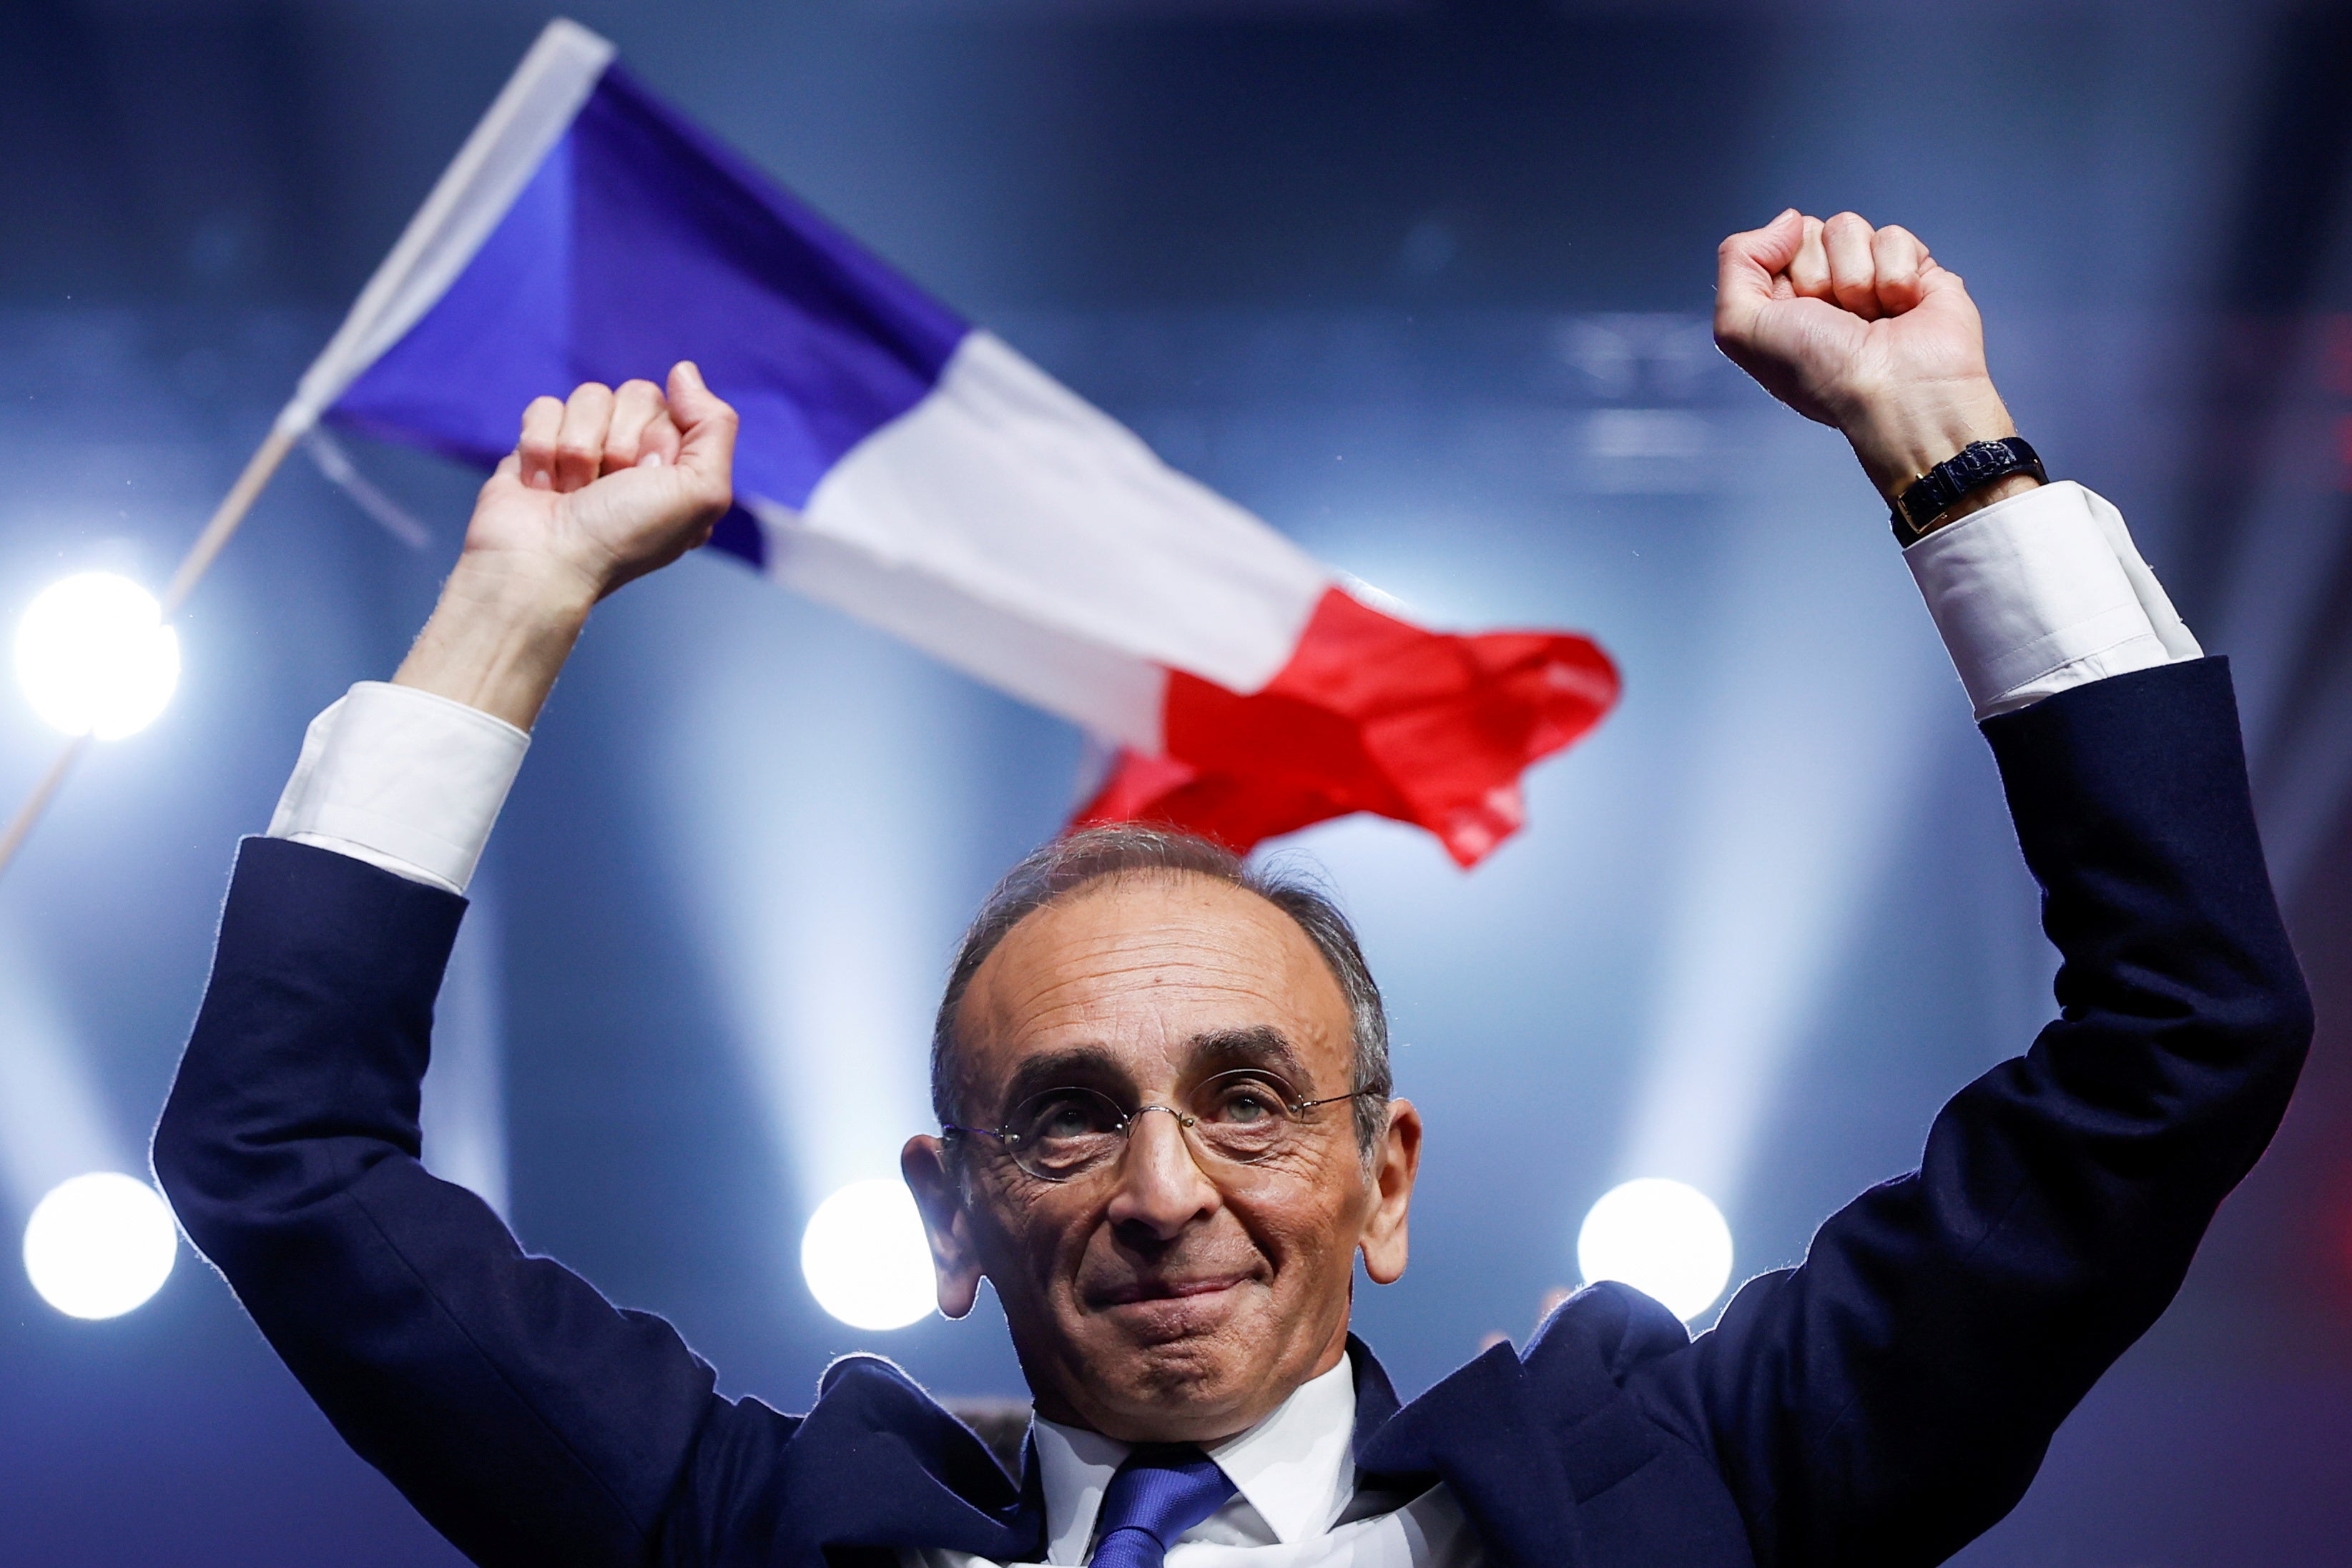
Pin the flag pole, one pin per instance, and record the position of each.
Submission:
(192, 566)
(229, 515)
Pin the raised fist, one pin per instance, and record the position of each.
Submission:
(610, 484)
(1860, 328)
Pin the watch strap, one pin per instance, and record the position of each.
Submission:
(1944, 486)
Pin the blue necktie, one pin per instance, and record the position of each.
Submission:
(1162, 1490)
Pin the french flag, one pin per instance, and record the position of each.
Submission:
(911, 469)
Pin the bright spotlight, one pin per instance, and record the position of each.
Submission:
(1663, 1239)
(865, 1259)
(99, 1245)
(94, 656)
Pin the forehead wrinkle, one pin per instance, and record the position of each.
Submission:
(1062, 1008)
(1180, 938)
(1177, 954)
(1187, 940)
(1089, 989)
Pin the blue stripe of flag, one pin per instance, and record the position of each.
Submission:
(642, 241)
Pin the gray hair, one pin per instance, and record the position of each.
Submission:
(1078, 860)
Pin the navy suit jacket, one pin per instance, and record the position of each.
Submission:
(1879, 1404)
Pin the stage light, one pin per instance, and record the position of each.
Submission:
(865, 1257)
(1663, 1239)
(94, 656)
(99, 1245)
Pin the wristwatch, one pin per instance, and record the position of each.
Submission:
(1942, 487)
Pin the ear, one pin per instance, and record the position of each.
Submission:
(924, 1163)
(1395, 1165)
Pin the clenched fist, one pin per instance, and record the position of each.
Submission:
(610, 484)
(1860, 328)
(602, 487)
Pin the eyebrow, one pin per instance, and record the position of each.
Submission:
(1080, 1066)
(1260, 1045)
(1217, 1050)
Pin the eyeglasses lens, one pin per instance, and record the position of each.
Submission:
(1064, 1132)
(1243, 1117)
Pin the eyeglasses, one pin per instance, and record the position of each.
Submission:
(1243, 1117)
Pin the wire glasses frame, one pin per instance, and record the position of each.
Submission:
(1243, 1117)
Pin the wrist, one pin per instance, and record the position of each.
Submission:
(1899, 439)
(521, 587)
(500, 633)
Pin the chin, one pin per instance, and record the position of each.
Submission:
(1180, 1404)
(1181, 1370)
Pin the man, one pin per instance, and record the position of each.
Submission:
(1166, 1131)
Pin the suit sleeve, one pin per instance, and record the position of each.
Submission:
(1890, 1398)
(525, 1416)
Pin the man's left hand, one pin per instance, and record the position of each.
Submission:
(1860, 328)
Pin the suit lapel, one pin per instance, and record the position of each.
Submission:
(1524, 1442)
(1476, 1432)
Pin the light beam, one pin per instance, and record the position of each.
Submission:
(464, 1112)
(1828, 672)
(818, 768)
(53, 1123)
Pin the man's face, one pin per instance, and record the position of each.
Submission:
(1167, 1295)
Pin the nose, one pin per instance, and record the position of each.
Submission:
(1162, 1188)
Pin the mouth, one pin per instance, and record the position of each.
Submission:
(1135, 1292)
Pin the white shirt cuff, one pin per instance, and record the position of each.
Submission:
(402, 780)
(2043, 591)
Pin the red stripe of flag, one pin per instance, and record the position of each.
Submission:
(1372, 713)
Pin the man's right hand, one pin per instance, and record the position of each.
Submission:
(600, 489)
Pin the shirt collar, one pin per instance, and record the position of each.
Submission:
(1296, 1467)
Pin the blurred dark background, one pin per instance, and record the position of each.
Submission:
(1424, 284)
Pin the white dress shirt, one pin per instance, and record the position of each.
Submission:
(2034, 595)
(1296, 1503)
